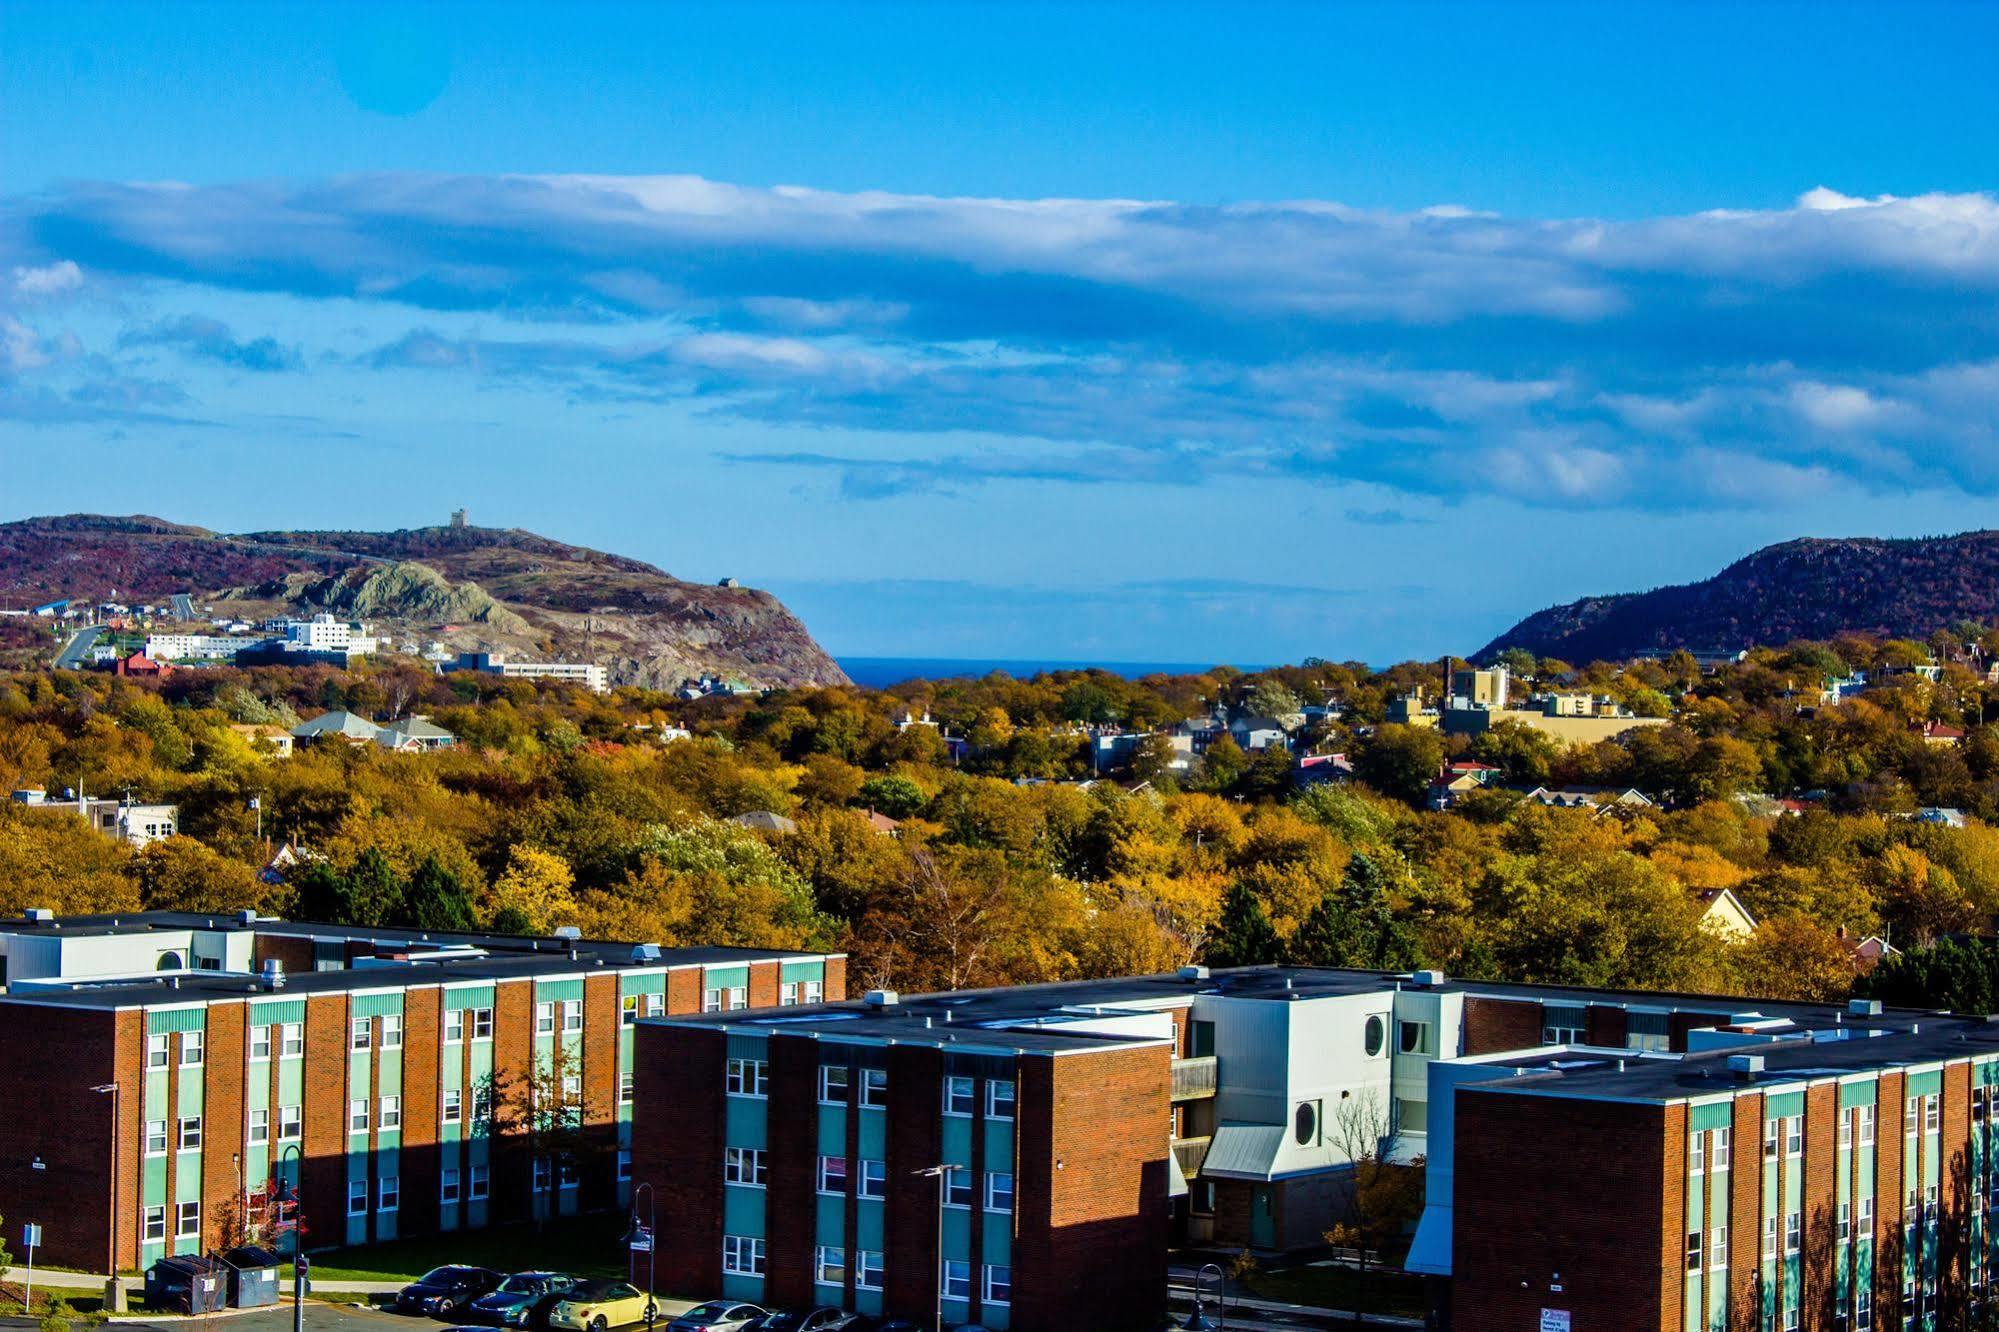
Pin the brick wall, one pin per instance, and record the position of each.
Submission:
(1585, 1194)
(790, 1210)
(1888, 1200)
(677, 1142)
(763, 984)
(55, 1056)
(834, 987)
(1821, 1203)
(513, 1052)
(323, 1172)
(915, 1102)
(1606, 1025)
(1091, 1221)
(1745, 1209)
(423, 1019)
(683, 990)
(600, 1090)
(224, 1126)
(1491, 1025)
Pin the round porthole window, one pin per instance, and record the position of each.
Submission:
(1306, 1123)
(1376, 1035)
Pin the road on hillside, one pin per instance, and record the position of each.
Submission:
(71, 658)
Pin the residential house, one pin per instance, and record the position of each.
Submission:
(1253, 733)
(1724, 916)
(275, 741)
(765, 821)
(414, 735)
(339, 724)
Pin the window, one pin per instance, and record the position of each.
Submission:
(1770, 1237)
(482, 1103)
(190, 1133)
(1717, 1248)
(746, 1077)
(1844, 1233)
(156, 1225)
(1374, 1036)
(572, 1086)
(357, 1116)
(1770, 1139)
(357, 1197)
(829, 1266)
(391, 1113)
(1791, 1317)
(544, 1019)
(1720, 1144)
(482, 1182)
(628, 1011)
(482, 1024)
(1414, 1038)
(190, 1049)
(392, 1032)
(626, 1086)
(811, 991)
(1696, 1153)
(187, 1220)
(998, 1284)
(711, 1001)
(1911, 1110)
(389, 1193)
(572, 1015)
(1563, 1024)
(1846, 1129)
(1864, 1217)
(260, 1127)
(566, 1176)
(453, 1111)
(291, 1123)
(999, 1191)
(454, 1025)
(874, 1180)
(624, 1166)
(447, 1187)
(999, 1098)
(739, 997)
(874, 1088)
(957, 1279)
(742, 1255)
(787, 994)
(868, 1269)
(832, 1174)
(1693, 1251)
(957, 1187)
(1863, 1308)
(743, 1165)
(655, 1004)
(1794, 1136)
(156, 1137)
(1794, 1231)
(260, 1043)
(959, 1096)
(541, 1174)
(359, 1029)
(832, 1084)
(1644, 1030)
(1932, 1104)
(1864, 1118)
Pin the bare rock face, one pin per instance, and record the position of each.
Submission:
(1812, 588)
(471, 588)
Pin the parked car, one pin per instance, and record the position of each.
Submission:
(522, 1300)
(822, 1319)
(443, 1290)
(718, 1316)
(593, 1306)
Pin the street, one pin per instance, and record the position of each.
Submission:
(71, 658)
(319, 1317)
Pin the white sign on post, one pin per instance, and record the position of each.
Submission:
(1554, 1320)
(31, 1238)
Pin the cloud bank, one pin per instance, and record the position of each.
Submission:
(1750, 358)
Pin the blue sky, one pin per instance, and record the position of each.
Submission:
(1082, 331)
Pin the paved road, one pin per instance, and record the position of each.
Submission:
(71, 658)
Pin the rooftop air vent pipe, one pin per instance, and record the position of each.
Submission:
(881, 998)
(1745, 1067)
(273, 974)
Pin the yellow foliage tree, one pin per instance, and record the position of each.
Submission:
(536, 884)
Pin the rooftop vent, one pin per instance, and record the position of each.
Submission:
(273, 974)
(39, 915)
(1427, 979)
(881, 998)
(568, 932)
(648, 952)
(1864, 1007)
(247, 916)
(1193, 973)
(1745, 1067)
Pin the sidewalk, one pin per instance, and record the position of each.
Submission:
(56, 1276)
(1180, 1290)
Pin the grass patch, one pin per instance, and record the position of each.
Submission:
(86, 1300)
(580, 1245)
(1381, 1291)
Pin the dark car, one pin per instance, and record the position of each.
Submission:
(444, 1290)
(718, 1316)
(822, 1319)
(522, 1300)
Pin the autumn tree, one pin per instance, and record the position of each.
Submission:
(1383, 1196)
(538, 1111)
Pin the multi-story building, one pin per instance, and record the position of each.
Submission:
(1024, 1157)
(586, 673)
(168, 1077)
(135, 823)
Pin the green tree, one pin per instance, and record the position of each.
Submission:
(1401, 761)
(436, 900)
(1242, 936)
(894, 795)
(1354, 925)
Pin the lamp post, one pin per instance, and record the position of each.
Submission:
(942, 1174)
(1198, 1321)
(300, 1264)
(112, 1290)
(651, 1229)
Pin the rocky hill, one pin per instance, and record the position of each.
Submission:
(470, 588)
(1810, 588)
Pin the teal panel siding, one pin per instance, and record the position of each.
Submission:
(802, 971)
(956, 1148)
(723, 978)
(153, 1181)
(555, 991)
(376, 1005)
(641, 982)
(190, 1091)
(996, 1240)
(276, 1011)
(874, 1134)
(1858, 1093)
(156, 1096)
(742, 1288)
(833, 1130)
(868, 1225)
(867, 1301)
(999, 1144)
(1924, 1084)
(748, 1047)
(745, 1123)
(176, 1019)
(742, 1210)
(957, 1232)
(998, 1316)
(1719, 1114)
(1783, 1105)
(830, 1222)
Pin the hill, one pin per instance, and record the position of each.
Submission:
(471, 588)
(1810, 588)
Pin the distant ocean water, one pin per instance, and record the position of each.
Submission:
(881, 672)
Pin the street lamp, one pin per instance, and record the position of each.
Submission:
(300, 1264)
(651, 1230)
(111, 1287)
(1198, 1321)
(942, 1174)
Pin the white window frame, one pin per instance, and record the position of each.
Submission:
(627, 1088)
(960, 1092)
(543, 1176)
(996, 1292)
(711, 1001)
(482, 1024)
(187, 1133)
(388, 1193)
(655, 1003)
(357, 1197)
(567, 1176)
(1000, 1105)
(158, 1053)
(481, 1184)
(187, 1220)
(448, 1186)
(156, 1132)
(1721, 1149)
(994, 1193)
(389, 1114)
(259, 1131)
(544, 1018)
(787, 994)
(360, 1033)
(451, 1107)
(828, 1075)
(628, 1011)
(747, 1077)
(454, 1026)
(811, 991)
(153, 1225)
(957, 1279)
(874, 1089)
(392, 1031)
(957, 1182)
(872, 1182)
(869, 1269)
(739, 997)
(746, 1167)
(832, 1174)
(291, 1123)
(742, 1255)
(260, 1043)
(572, 1016)
(357, 1116)
(191, 1043)
(829, 1265)
(1867, 1120)
(291, 1040)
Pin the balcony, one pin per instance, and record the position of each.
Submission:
(1190, 1153)
(1194, 1079)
